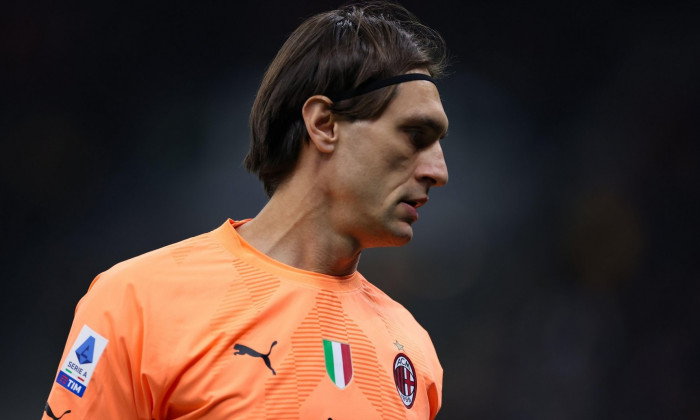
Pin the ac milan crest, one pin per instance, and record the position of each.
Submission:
(405, 379)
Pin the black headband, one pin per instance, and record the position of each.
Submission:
(378, 84)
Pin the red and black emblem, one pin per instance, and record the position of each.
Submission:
(405, 379)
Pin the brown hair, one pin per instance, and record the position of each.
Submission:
(330, 53)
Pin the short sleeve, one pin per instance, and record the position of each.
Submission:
(99, 373)
(434, 387)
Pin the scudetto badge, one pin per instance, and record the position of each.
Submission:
(405, 379)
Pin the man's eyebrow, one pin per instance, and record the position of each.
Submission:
(427, 122)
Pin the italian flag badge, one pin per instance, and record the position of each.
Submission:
(338, 362)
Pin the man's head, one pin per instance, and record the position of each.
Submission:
(330, 54)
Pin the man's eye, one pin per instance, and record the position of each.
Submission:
(418, 138)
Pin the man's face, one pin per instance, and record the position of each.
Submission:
(386, 166)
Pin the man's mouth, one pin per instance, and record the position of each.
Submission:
(411, 205)
(415, 202)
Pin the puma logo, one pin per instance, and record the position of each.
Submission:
(50, 413)
(241, 349)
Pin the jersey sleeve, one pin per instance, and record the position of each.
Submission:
(435, 393)
(99, 373)
(434, 386)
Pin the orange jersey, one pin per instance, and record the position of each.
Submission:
(212, 328)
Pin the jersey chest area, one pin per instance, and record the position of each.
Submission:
(301, 356)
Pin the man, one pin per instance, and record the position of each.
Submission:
(269, 318)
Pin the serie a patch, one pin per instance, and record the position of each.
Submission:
(77, 369)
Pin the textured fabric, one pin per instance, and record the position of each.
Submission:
(211, 328)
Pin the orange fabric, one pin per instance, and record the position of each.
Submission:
(188, 325)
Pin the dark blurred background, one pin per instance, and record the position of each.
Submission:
(556, 272)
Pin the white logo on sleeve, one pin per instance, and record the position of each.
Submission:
(81, 361)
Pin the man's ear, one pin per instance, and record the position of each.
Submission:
(320, 123)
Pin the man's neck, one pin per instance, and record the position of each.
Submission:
(294, 228)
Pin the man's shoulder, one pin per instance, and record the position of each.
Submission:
(166, 263)
(174, 254)
(401, 319)
(390, 307)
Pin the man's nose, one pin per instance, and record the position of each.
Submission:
(432, 166)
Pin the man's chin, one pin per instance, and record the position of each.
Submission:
(396, 233)
(400, 235)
